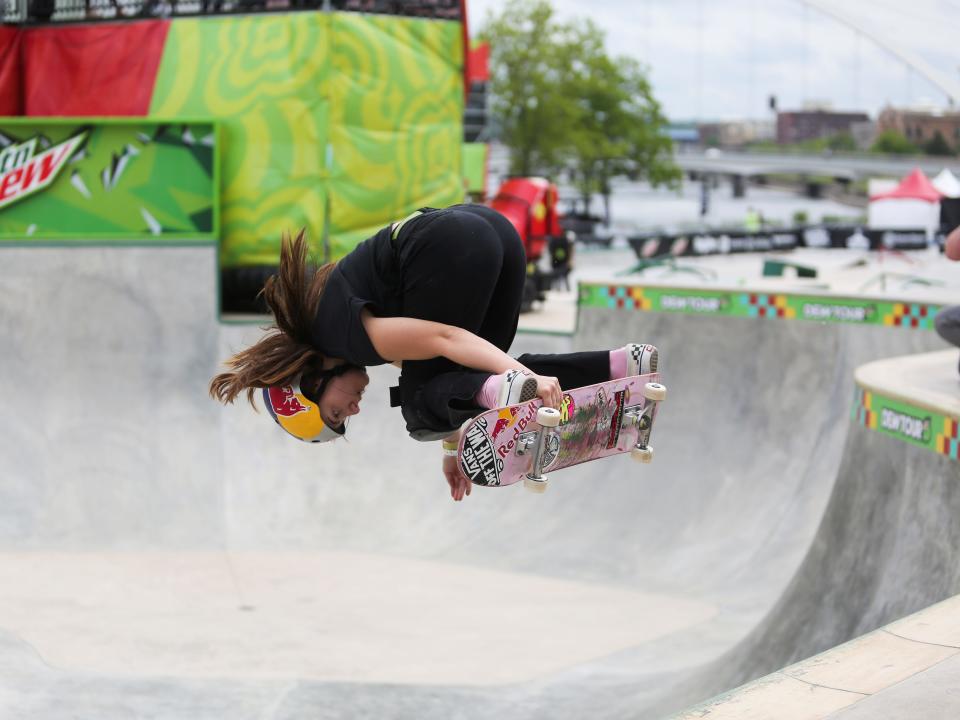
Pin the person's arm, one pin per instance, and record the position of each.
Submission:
(398, 339)
(952, 245)
(459, 483)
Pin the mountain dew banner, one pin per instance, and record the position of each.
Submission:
(781, 306)
(98, 180)
(343, 121)
(337, 121)
(909, 423)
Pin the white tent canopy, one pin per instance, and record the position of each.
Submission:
(947, 183)
(914, 203)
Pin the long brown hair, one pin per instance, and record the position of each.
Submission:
(276, 359)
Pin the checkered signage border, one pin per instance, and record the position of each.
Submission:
(917, 426)
(781, 306)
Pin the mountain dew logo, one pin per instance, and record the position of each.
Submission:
(23, 172)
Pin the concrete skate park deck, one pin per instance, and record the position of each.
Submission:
(163, 557)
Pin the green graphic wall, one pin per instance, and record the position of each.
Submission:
(396, 120)
(93, 180)
(475, 167)
(342, 121)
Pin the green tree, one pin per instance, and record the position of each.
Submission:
(527, 97)
(842, 142)
(938, 145)
(563, 103)
(813, 145)
(893, 143)
(619, 126)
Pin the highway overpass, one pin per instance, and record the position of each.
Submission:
(741, 166)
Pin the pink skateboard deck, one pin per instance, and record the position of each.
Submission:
(499, 446)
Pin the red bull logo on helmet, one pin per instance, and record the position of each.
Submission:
(298, 415)
(285, 401)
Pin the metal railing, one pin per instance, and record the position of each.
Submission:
(43, 12)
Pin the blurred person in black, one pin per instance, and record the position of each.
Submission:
(947, 321)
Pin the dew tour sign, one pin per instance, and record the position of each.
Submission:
(763, 305)
(24, 171)
(907, 425)
(932, 430)
(108, 180)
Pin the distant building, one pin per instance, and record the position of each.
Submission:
(683, 134)
(735, 133)
(921, 126)
(796, 127)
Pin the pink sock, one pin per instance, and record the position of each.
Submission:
(618, 363)
(487, 396)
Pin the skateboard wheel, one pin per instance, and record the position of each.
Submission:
(548, 417)
(642, 454)
(655, 392)
(536, 486)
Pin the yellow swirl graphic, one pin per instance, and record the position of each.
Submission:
(361, 113)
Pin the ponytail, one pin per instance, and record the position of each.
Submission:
(287, 350)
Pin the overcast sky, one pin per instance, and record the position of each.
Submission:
(722, 59)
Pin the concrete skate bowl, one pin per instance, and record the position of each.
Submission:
(162, 557)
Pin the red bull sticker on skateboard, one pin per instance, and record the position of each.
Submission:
(485, 448)
(505, 420)
(507, 443)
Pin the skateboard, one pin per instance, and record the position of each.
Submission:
(521, 442)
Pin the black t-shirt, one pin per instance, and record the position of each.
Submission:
(367, 277)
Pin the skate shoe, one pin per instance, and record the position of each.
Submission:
(641, 359)
(516, 387)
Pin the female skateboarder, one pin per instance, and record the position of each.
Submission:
(437, 294)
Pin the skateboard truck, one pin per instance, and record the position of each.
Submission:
(547, 417)
(642, 417)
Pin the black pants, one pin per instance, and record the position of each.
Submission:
(465, 266)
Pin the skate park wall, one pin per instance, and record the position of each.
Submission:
(764, 501)
(884, 544)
